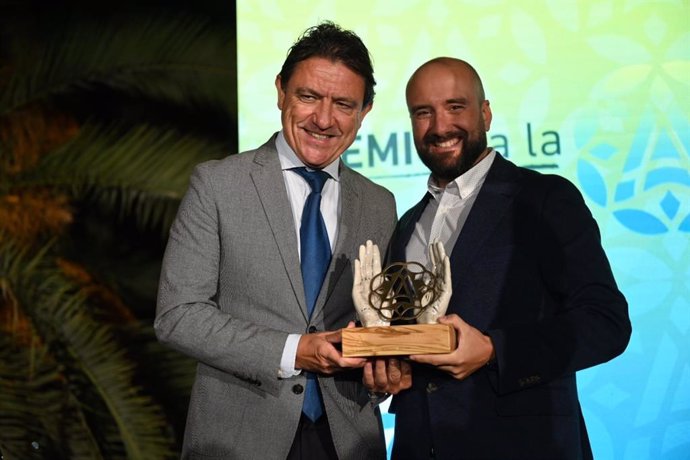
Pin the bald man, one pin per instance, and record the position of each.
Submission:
(534, 300)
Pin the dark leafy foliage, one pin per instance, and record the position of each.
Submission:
(102, 117)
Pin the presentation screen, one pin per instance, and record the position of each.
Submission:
(596, 91)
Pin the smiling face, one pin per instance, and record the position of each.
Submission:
(321, 110)
(450, 117)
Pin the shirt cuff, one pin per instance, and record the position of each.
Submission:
(287, 361)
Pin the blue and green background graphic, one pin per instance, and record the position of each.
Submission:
(596, 91)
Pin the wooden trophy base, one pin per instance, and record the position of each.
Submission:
(412, 339)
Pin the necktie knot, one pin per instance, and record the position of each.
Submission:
(316, 178)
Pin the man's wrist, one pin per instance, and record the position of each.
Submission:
(492, 356)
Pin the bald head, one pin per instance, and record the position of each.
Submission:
(461, 69)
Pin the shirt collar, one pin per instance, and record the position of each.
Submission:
(467, 183)
(289, 160)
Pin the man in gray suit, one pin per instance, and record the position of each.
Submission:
(234, 294)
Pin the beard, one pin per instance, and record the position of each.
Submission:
(449, 168)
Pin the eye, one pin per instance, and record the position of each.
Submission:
(306, 97)
(421, 114)
(456, 107)
(345, 106)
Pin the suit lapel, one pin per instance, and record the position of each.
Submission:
(495, 196)
(270, 188)
(404, 230)
(266, 174)
(345, 244)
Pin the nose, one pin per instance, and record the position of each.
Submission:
(440, 122)
(323, 115)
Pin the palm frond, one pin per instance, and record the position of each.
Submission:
(40, 419)
(101, 116)
(171, 372)
(20, 434)
(140, 173)
(177, 58)
(122, 419)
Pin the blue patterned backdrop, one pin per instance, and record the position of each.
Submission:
(597, 91)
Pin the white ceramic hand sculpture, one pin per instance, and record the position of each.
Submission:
(440, 267)
(366, 268)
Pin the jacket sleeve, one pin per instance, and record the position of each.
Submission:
(584, 317)
(188, 317)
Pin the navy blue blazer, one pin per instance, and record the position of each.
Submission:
(528, 269)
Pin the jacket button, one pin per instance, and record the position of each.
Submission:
(297, 389)
(431, 387)
(311, 329)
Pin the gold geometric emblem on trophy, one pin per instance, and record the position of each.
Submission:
(404, 290)
(401, 292)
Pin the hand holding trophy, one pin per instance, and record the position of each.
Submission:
(402, 292)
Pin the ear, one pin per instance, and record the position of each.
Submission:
(486, 114)
(363, 113)
(281, 93)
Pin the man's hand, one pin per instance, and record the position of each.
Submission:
(387, 375)
(474, 350)
(317, 353)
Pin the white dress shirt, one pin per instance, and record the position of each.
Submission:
(446, 212)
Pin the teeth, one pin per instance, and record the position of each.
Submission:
(319, 136)
(448, 143)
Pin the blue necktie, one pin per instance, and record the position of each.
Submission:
(315, 255)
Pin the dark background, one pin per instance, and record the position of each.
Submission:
(104, 110)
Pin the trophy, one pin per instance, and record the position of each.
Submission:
(402, 292)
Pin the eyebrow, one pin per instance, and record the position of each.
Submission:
(414, 108)
(304, 89)
(455, 100)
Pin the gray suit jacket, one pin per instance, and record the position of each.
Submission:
(230, 293)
